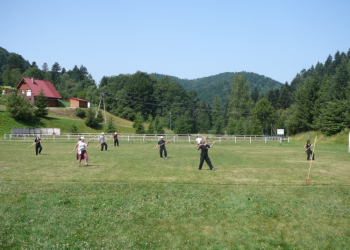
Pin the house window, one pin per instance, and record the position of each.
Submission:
(29, 92)
(22, 91)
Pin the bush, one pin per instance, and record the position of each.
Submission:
(18, 107)
(80, 113)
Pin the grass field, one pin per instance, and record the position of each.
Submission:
(129, 198)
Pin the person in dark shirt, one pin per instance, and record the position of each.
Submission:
(38, 146)
(161, 143)
(204, 155)
(307, 149)
(116, 141)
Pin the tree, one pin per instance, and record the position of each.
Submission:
(45, 67)
(255, 95)
(90, 120)
(18, 107)
(182, 125)
(263, 111)
(334, 117)
(138, 125)
(99, 117)
(110, 126)
(80, 113)
(41, 104)
(151, 128)
(217, 116)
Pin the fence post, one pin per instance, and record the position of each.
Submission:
(10, 137)
(189, 139)
(235, 139)
(220, 139)
(128, 137)
(265, 139)
(174, 138)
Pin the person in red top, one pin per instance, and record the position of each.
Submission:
(204, 155)
(116, 141)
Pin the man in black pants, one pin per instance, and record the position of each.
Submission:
(161, 143)
(204, 155)
(115, 137)
(38, 146)
(307, 149)
(103, 141)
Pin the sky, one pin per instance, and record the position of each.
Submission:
(188, 39)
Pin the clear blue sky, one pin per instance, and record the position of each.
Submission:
(183, 38)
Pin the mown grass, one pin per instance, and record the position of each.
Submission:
(129, 198)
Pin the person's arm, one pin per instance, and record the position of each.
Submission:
(212, 145)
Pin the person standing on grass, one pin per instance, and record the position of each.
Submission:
(115, 138)
(204, 155)
(199, 140)
(81, 153)
(38, 146)
(161, 143)
(103, 141)
(307, 149)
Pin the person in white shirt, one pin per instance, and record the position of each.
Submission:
(81, 152)
(199, 140)
(103, 141)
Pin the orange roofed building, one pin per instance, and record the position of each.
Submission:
(30, 88)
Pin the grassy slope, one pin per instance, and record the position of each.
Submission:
(62, 118)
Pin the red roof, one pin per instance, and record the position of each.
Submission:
(37, 85)
(77, 99)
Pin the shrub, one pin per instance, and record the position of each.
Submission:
(80, 113)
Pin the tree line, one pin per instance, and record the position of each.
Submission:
(316, 99)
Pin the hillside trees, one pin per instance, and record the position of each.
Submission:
(18, 107)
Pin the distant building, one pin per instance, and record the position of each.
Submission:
(6, 90)
(78, 103)
(30, 88)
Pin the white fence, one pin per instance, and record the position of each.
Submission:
(149, 137)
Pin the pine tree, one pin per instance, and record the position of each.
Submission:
(18, 107)
(110, 126)
(90, 120)
(41, 104)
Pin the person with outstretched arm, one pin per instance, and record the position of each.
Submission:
(204, 155)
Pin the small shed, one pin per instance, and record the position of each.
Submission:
(78, 103)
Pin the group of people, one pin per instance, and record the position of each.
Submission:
(204, 147)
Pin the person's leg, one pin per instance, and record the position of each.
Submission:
(79, 159)
(101, 146)
(106, 146)
(117, 142)
(161, 152)
(36, 149)
(86, 157)
(201, 162)
(165, 153)
(40, 148)
(207, 160)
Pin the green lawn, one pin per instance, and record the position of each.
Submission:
(129, 198)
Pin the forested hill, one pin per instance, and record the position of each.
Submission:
(208, 87)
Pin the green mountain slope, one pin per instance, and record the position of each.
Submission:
(220, 84)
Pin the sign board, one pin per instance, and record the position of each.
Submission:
(280, 131)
